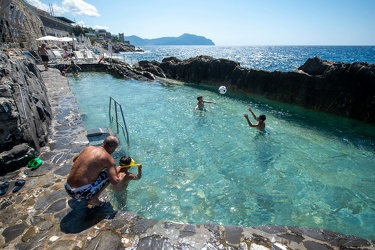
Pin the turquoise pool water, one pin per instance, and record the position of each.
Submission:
(308, 170)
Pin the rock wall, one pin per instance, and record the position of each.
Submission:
(25, 113)
(337, 88)
(20, 25)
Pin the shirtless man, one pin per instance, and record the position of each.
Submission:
(125, 164)
(261, 124)
(92, 171)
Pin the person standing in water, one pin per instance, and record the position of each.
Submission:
(201, 102)
(261, 118)
(125, 164)
(74, 68)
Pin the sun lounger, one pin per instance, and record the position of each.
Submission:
(89, 56)
(79, 56)
(35, 53)
(57, 54)
(51, 56)
(28, 54)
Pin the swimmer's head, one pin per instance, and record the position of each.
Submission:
(262, 117)
(125, 162)
(199, 97)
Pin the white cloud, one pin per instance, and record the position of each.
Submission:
(81, 23)
(39, 5)
(57, 10)
(80, 7)
(77, 7)
(101, 27)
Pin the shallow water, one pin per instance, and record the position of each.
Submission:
(309, 169)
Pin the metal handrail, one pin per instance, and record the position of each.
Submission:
(123, 127)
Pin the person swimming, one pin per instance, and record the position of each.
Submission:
(125, 164)
(74, 68)
(261, 118)
(201, 102)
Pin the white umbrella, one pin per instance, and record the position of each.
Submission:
(65, 39)
(48, 38)
(74, 42)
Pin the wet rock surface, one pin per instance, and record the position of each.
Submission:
(42, 216)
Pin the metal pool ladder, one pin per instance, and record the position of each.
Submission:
(118, 107)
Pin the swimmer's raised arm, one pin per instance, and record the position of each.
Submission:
(251, 111)
(248, 121)
(139, 175)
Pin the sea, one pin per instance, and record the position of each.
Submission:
(271, 58)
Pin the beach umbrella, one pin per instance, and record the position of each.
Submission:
(48, 38)
(66, 39)
(88, 42)
(74, 42)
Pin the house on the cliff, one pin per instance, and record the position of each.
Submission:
(55, 25)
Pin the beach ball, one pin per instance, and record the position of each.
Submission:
(222, 90)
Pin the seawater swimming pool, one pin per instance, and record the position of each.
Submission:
(309, 170)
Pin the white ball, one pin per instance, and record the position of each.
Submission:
(222, 90)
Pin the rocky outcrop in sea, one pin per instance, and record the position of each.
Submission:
(333, 87)
(122, 47)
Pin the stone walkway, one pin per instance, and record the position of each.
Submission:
(41, 215)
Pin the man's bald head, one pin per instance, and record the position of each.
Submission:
(110, 144)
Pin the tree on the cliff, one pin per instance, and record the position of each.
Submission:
(78, 30)
(115, 39)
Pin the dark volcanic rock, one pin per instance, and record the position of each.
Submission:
(25, 113)
(122, 47)
(122, 69)
(333, 87)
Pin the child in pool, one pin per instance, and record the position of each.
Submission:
(125, 164)
(261, 118)
(201, 102)
(63, 72)
(74, 68)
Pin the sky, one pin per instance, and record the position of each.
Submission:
(228, 22)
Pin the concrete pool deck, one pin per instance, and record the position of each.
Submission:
(42, 216)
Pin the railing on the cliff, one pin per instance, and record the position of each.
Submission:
(118, 108)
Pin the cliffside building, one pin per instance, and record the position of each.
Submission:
(121, 37)
(55, 26)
